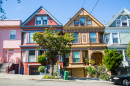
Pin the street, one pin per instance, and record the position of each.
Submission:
(12, 82)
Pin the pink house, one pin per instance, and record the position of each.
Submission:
(10, 40)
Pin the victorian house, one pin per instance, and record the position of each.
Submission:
(37, 22)
(88, 42)
(117, 33)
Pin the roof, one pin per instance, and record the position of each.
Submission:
(78, 14)
(116, 16)
(33, 15)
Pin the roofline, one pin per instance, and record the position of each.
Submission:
(32, 16)
(43, 26)
(116, 16)
(78, 12)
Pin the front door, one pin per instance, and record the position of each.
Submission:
(97, 57)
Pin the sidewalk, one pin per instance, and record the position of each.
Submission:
(39, 77)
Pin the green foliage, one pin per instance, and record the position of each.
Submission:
(86, 60)
(41, 68)
(91, 70)
(50, 77)
(101, 69)
(56, 77)
(46, 77)
(55, 43)
(128, 50)
(42, 59)
(92, 61)
(55, 73)
(104, 76)
(57, 66)
(112, 59)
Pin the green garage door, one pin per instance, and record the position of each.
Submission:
(34, 71)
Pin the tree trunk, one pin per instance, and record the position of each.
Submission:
(51, 67)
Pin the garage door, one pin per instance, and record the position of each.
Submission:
(78, 72)
(34, 71)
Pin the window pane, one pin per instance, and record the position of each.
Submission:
(67, 55)
(108, 36)
(124, 24)
(118, 22)
(44, 17)
(82, 21)
(39, 18)
(38, 22)
(32, 56)
(76, 38)
(123, 17)
(92, 37)
(24, 38)
(44, 22)
(115, 40)
(12, 36)
(12, 32)
(89, 23)
(108, 41)
(84, 54)
(30, 38)
(76, 23)
(23, 56)
(114, 35)
(76, 57)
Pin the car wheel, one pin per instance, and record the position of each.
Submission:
(125, 82)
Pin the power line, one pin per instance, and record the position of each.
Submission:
(83, 3)
(94, 6)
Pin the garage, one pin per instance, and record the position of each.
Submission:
(34, 71)
(78, 72)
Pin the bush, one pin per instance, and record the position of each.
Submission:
(86, 60)
(104, 76)
(56, 77)
(41, 68)
(42, 59)
(46, 77)
(101, 69)
(91, 70)
(55, 73)
(92, 61)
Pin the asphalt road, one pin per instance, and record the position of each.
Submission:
(12, 82)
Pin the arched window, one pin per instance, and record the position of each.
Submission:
(124, 20)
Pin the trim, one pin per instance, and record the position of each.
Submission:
(25, 26)
(29, 46)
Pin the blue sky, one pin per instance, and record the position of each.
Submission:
(64, 9)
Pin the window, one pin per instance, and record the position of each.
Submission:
(76, 38)
(118, 23)
(124, 20)
(82, 21)
(24, 38)
(30, 38)
(84, 55)
(129, 22)
(10, 49)
(76, 23)
(115, 37)
(23, 56)
(100, 38)
(92, 37)
(31, 57)
(41, 52)
(12, 34)
(76, 56)
(108, 41)
(88, 22)
(67, 57)
(41, 20)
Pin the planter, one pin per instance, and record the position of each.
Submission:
(42, 73)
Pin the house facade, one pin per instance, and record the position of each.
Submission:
(88, 42)
(10, 40)
(117, 33)
(37, 22)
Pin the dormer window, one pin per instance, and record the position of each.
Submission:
(124, 20)
(82, 21)
(41, 20)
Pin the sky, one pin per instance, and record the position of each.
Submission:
(63, 10)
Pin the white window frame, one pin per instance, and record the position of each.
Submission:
(22, 56)
(24, 36)
(107, 38)
(29, 37)
(76, 38)
(121, 21)
(35, 55)
(117, 38)
(10, 34)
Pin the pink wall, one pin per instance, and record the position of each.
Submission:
(41, 11)
(32, 22)
(51, 22)
(6, 42)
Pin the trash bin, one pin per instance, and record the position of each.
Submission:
(66, 74)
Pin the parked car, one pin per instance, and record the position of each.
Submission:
(123, 79)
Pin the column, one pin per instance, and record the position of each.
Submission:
(123, 52)
(97, 37)
(81, 56)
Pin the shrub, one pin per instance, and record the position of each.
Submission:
(41, 68)
(56, 77)
(55, 73)
(46, 76)
(51, 77)
(42, 59)
(104, 76)
(86, 60)
(92, 61)
(101, 69)
(91, 70)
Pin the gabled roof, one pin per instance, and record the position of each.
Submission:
(33, 15)
(117, 15)
(82, 9)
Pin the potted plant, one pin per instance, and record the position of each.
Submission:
(86, 61)
(41, 70)
(92, 62)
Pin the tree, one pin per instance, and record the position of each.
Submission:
(2, 11)
(112, 59)
(128, 50)
(42, 59)
(53, 44)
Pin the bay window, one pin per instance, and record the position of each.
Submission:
(23, 56)
(108, 41)
(31, 57)
(76, 38)
(76, 57)
(30, 37)
(92, 37)
(115, 37)
(24, 38)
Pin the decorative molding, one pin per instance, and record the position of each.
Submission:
(86, 30)
(88, 48)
